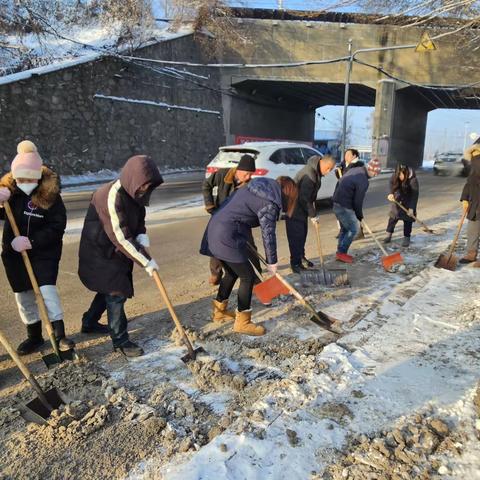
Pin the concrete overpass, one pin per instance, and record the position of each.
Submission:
(398, 83)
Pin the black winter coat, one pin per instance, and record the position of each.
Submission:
(309, 181)
(41, 217)
(406, 196)
(218, 187)
(471, 190)
(229, 230)
(116, 216)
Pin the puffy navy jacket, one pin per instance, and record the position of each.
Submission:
(227, 233)
(352, 187)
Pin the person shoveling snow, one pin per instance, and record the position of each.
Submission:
(113, 238)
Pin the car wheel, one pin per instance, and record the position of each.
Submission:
(435, 171)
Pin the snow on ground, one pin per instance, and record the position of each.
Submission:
(396, 396)
(414, 351)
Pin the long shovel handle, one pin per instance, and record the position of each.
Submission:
(25, 372)
(294, 292)
(180, 329)
(412, 216)
(42, 309)
(455, 239)
(319, 242)
(379, 245)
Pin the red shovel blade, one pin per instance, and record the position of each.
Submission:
(269, 289)
(390, 260)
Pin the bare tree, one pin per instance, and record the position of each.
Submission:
(214, 20)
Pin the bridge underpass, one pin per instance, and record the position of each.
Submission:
(281, 102)
(286, 109)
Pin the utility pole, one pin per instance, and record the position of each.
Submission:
(345, 99)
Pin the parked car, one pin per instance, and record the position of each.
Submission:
(450, 163)
(272, 159)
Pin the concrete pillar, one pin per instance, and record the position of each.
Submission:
(400, 123)
(383, 121)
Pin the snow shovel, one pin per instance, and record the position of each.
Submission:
(450, 261)
(58, 356)
(330, 277)
(39, 409)
(266, 291)
(387, 260)
(425, 227)
(192, 353)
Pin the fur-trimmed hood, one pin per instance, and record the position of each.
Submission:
(45, 194)
(471, 152)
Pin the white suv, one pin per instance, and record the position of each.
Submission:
(273, 159)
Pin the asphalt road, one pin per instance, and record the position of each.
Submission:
(177, 188)
(175, 243)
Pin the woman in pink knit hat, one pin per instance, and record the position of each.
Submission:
(33, 192)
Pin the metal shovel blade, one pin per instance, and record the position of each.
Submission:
(192, 355)
(34, 411)
(447, 262)
(269, 289)
(389, 260)
(335, 277)
(51, 359)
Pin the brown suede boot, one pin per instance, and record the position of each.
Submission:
(220, 312)
(243, 324)
(470, 257)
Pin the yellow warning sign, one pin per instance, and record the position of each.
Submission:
(425, 44)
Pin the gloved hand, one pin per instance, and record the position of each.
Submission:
(20, 244)
(272, 269)
(4, 194)
(151, 266)
(143, 240)
(391, 197)
(465, 205)
(410, 212)
(315, 220)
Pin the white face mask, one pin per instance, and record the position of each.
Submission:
(27, 188)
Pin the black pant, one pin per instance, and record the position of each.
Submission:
(297, 229)
(245, 272)
(216, 265)
(117, 320)
(407, 226)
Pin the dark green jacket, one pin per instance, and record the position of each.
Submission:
(218, 187)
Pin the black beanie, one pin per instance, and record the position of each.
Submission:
(247, 163)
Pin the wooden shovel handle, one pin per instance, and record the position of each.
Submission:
(379, 245)
(42, 309)
(411, 215)
(292, 290)
(319, 242)
(455, 239)
(169, 305)
(25, 372)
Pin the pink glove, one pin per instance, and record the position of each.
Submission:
(20, 244)
(4, 194)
